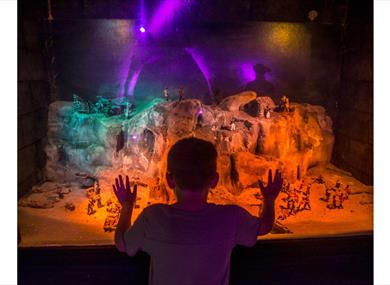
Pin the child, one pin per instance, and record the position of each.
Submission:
(190, 242)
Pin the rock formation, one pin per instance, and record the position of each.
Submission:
(248, 143)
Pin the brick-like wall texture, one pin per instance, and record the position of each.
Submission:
(353, 149)
(33, 95)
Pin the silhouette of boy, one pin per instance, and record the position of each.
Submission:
(190, 242)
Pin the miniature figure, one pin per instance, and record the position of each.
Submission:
(158, 191)
(337, 200)
(110, 223)
(128, 109)
(109, 108)
(77, 105)
(287, 105)
(319, 180)
(232, 126)
(70, 206)
(96, 187)
(284, 213)
(291, 204)
(199, 118)
(112, 217)
(98, 199)
(90, 209)
(281, 103)
(120, 141)
(100, 104)
(166, 94)
(306, 202)
(181, 93)
(286, 188)
(112, 207)
(81, 106)
(327, 194)
(90, 192)
(284, 104)
(267, 112)
(347, 192)
(60, 194)
(308, 189)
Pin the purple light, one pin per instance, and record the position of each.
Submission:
(134, 137)
(136, 74)
(247, 72)
(200, 112)
(142, 15)
(142, 29)
(163, 15)
(201, 63)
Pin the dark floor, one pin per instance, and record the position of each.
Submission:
(341, 260)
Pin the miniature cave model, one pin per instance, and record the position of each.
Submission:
(89, 144)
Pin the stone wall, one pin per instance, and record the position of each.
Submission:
(354, 125)
(33, 96)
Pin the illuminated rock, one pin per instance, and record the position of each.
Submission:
(256, 107)
(234, 102)
(250, 168)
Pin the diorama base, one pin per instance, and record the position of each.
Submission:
(58, 226)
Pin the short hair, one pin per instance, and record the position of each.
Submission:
(192, 162)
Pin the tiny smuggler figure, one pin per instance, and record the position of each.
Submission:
(166, 94)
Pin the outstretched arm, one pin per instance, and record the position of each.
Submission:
(269, 192)
(127, 200)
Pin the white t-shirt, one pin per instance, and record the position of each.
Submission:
(191, 247)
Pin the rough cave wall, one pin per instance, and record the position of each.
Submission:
(33, 96)
(353, 150)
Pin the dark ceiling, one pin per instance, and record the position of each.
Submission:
(207, 11)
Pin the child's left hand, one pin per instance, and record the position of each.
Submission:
(125, 196)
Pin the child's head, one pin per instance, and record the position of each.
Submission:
(192, 165)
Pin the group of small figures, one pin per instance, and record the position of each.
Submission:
(296, 200)
(94, 198)
(112, 208)
(335, 196)
(284, 104)
(103, 106)
(113, 211)
(180, 94)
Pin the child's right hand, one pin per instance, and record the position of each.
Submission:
(271, 191)
(125, 196)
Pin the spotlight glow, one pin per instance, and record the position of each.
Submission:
(134, 137)
(142, 29)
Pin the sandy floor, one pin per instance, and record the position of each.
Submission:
(58, 226)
